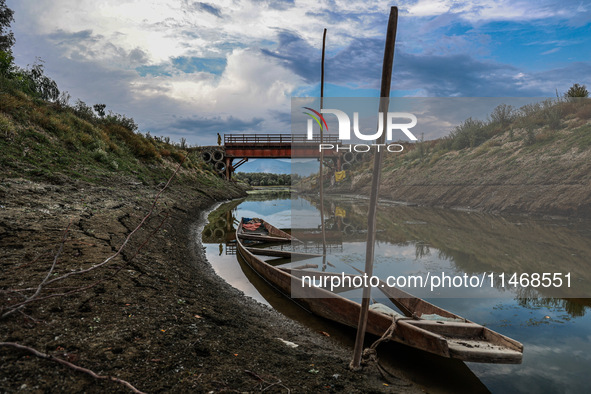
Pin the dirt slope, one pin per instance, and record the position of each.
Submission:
(519, 170)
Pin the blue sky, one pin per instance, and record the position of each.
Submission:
(192, 69)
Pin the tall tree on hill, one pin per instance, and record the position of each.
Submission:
(6, 35)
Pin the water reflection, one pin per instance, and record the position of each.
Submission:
(473, 243)
(221, 228)
(556, 331)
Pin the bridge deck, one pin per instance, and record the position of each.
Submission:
(274, 145)
(274, 139)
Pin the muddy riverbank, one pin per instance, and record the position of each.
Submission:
(161, 319)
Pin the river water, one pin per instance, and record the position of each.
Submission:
(555, 332)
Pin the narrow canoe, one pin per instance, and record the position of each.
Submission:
(282, 253)
(423, 326)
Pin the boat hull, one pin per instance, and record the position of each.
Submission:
(464, 340)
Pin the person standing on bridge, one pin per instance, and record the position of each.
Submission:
(219, 139)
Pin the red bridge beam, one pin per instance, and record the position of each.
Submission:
(276, 152)
(270, 146)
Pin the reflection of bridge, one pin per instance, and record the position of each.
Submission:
(266, 146)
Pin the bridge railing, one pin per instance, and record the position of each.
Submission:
(276, 139)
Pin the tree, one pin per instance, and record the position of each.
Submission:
(40, 85)
(577, 91)
(100, 109)
(6, 63)
(6, 35)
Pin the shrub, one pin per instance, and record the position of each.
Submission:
(6, 127)
(547, 113)
(552, 114)
(57, 126)
(569, 107)
(100, 156)
(178, 156)
(40, 117)
(471, 133)
(84, 111)
(85, 139)
(576, 91)
(503, 115)
(530, 136)
(121, 120)
(530, 110)
(138, 145)
(585, 111)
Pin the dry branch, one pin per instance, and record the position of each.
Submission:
(43, 285)
(55, 259)
(269, 385)
(118, 252)
(39, 288)
(70, 365)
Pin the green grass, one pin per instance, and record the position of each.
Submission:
(43, 140)
(582, 136)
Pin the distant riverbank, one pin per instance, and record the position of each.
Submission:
(520, 167)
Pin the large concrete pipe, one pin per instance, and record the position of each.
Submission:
(220, 167)
(218, 155)
(207, 156)
(349, 157)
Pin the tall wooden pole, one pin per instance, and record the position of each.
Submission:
(321, 177)
(375, 185)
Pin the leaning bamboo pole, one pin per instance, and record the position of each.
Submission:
(375, 185)
(321, 175)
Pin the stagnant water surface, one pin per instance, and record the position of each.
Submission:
(555, 332)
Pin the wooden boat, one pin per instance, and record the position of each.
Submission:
(423, 325)
(282, 253)
(263, 238)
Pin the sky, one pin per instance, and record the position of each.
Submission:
(190, 69)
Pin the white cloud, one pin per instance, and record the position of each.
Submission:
(486, 10)
(249, 84)
(550, 51)
(122, 52)
(430, 7)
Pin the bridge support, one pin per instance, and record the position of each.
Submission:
(242, 161)
(229, 169)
